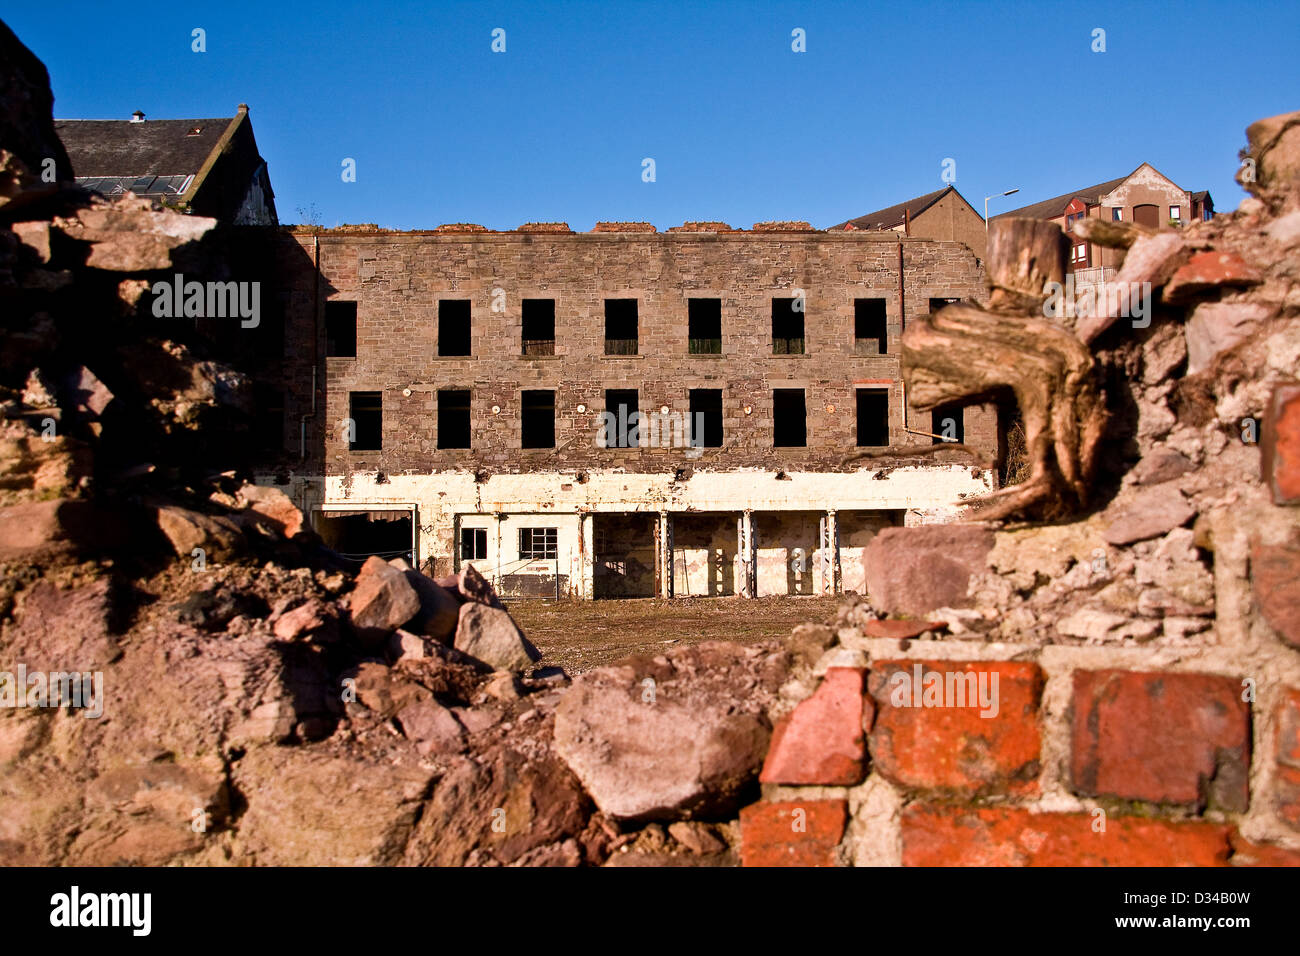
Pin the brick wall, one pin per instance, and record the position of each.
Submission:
(397, 280)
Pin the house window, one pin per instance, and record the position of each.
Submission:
(538, 327)
(1117, 215)
(537, 418)
(1176, 213)
(366, 409)
(453, 327)
(948, 422)
(873, 417)
(706, 417)
(789, 418)
(1079, 255)
(341, 329)
(787, 326)
(453, 418)
(869, 333)
(620, 326)
(704, 321)
(938, 303)
(622, 404)
(1207, 213)
(473, 544)
(538, 544)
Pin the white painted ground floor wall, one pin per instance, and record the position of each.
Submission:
(750, 533)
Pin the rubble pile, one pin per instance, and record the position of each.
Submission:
(244, 698)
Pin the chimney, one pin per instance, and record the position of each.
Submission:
(137, 117)
(243, 107)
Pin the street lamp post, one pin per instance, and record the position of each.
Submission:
(986, 206)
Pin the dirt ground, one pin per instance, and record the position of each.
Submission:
(580, 635)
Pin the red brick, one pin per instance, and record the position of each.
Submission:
(901, 630)
(1280, 444)
(799, 833)
(1245, 853)
(956, 836)
(1287, 785)
(953, 748)
(1275, 580)
(823, 741)
(1180, 739)
(1207, 271)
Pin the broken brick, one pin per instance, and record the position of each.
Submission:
(822, 742)
(950, 741)
(798, 833)
(955, 836)
(1179, 739)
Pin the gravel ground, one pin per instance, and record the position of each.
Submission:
(580, 635)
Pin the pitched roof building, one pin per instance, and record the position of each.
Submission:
(210, 167)
(1145, 196)
(942, 214)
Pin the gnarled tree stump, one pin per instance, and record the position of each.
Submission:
(967, 354)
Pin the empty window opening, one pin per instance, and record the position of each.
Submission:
(453, 418)
(537, 418)
(366, 409)
(622, 430)
(473, 544)
(870, 336)
(268, 424)
(948, 422)
(341, 329)
(873, 417)
(787, 327)
(706, 417)
(789, 418)
(620, 326)
(539, 327)
(453, 327)
(356, 535)
(939, 302)
(704, 321)
(538, 544)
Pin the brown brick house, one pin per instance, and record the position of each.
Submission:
(620, 412)
(1145, 196)
(942, 214)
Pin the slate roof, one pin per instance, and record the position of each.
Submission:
(119, 149)
(892, 216)
(1051, 208)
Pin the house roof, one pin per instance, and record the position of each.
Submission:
(895, 215)
(121, 149)
(1051, 208)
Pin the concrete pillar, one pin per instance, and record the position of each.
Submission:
(829, 554)
(664, 554)
(586, 586)
(498, 518)
(746, 554)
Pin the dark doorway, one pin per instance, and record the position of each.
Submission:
(625, 555)
(1147, 215)
(356, 535)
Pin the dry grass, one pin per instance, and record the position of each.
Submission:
(579, 635)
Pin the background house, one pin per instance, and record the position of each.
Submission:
(210, 167)
(943, 214)
(1145, 196)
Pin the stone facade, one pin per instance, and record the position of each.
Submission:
(397, 282)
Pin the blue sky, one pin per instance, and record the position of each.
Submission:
(740, 127)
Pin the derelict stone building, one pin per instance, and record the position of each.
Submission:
(621, 412)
